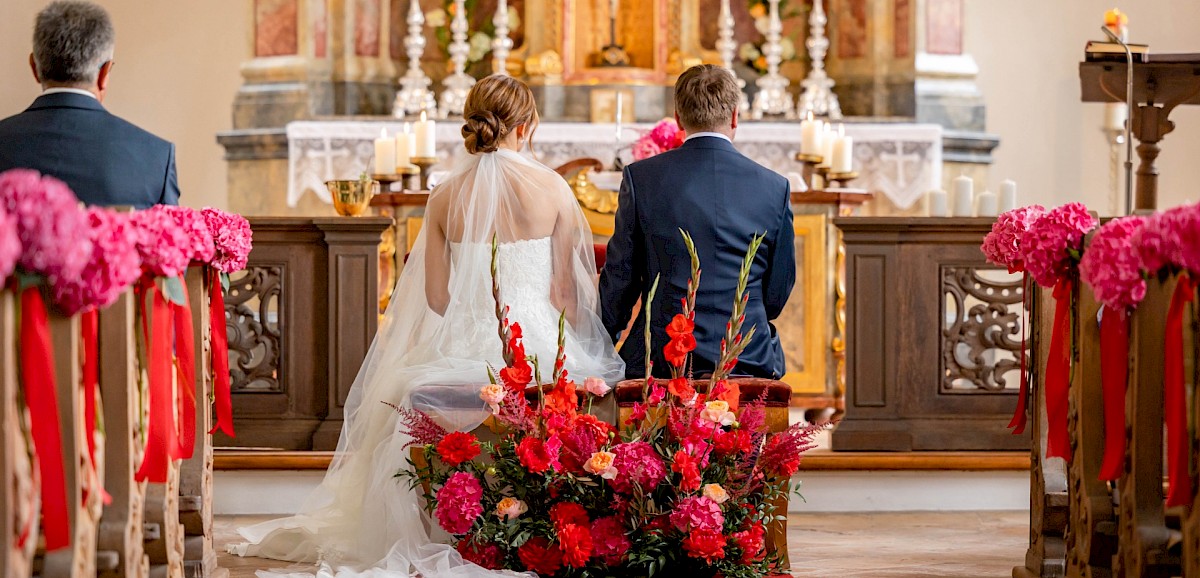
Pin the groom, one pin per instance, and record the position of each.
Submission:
(707, 188)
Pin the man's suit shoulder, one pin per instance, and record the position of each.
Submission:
(132, 131)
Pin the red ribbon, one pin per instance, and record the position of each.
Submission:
(1114, 376)
(1058, 373)
(1175, 397)
(223, 401)
(161, 442)
(89, 324)
(185, 364)
(38, 384)
(1020, 417)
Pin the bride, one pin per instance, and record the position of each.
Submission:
(438, 337)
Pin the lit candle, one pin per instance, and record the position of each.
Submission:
(426, 140)
(935, 203)
(404, 147)
(1114, 116)
(843, 152)
(963, 202)
(1118, 22)
(617, 114)
(385, 154)
(810, 136)
(987, 205)
(1008, 196)
(827, 137)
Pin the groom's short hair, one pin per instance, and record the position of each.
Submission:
(72, 39)
(706, 97)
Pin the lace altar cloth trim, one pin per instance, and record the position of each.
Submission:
(900, 161)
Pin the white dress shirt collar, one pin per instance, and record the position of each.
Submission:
(68, 90)
(700, 134)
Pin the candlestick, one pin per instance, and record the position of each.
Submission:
(963, 202)
(987, 205)
(424, 164)
(415, 95)
(385, 154)
(935, 203)
(426, 139)
(458, 84)
(818, 96)
(727, 47)
(1008, 196)
(405, 144)
(773, 97)
(502, 44)
(843, 152)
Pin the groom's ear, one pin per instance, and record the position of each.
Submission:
(678, 123)
(733, 124)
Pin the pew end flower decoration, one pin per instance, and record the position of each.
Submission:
(664, 136)
(688, 484)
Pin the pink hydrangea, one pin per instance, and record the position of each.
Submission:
(1171, 237)
(193, 223)
(1111, 267)
(697, 513)
(459, 503)
(609, 542)
(164, 247)
(10, 245)
(233, 238)
(645, 148)
(50, 224)
(1002, 246)
(1055, 241)
(637, 463)
(113, 266)
(665, 136)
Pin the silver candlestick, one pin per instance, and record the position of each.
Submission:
(502, 44)
(818, 96)
(414, 96)
(1115, 137)
(773, 97)
(727, 46)
(457, 85)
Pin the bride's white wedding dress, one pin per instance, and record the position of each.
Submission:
(362, 520)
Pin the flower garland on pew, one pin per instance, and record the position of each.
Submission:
(687, 483)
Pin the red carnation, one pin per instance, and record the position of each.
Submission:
(458, 447)
(689, 469)
(751, 542)
(679, 326)
(487, 555)
(565, 514)
(539, 556)
(732, 442)
(575, 541)
(538, 456)
(705, 544)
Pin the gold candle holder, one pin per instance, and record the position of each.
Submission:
(351, 198)
(424, 164)
(402, 176)
(842, 180)
(808, 164)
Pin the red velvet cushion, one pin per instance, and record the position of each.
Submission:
(779, 394)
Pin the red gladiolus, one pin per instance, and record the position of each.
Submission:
(517, 377)
(563, 399)
(681, 387)
(677, 350)
(539, 556)
(689, 470)
(730, 393)
(708, 545)
(679, 326)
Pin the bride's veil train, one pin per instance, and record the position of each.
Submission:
(363, 521)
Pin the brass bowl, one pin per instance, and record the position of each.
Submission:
(351, 198)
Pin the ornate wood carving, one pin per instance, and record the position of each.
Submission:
(19, 503)
(255, 332)
(981, 336)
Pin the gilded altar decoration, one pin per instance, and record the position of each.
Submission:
(590, 196)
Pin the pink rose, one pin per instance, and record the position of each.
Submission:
(493, 394)
(596, 386)
(511, 508)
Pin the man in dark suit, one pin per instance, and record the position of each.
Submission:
(66, 133)
(723, 199)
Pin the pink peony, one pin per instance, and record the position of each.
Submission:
(637, 463)
(10, 244)
(50, 224)
(1055, 241)
(609, 542)
(165, 248)
(697, 513)
(192, 222)
(1111, 267)
(1002, 246)
(113, 266)
(233, 238)
(459, 503)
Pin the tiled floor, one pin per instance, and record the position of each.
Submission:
(884, 545)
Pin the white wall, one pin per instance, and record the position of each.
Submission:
(1028, 53)
(175, 74)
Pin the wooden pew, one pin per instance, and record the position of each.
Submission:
(1191, 526)
(121, 527)
(19, 503)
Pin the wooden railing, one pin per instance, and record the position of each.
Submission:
(1081, 525)
(159, 529)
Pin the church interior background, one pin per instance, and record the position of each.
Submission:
(266, 100)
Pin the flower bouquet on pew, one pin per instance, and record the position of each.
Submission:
(688, 483)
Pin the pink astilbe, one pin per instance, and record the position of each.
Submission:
(515, 413)
(113, 267)
(781, 456)
(418, 426)
(459, 503)
(10, 245)
(201, 247)
(1055, 241)
(1002, 246)
(164, 247)
(1111, 266)
(50, 224)
(232, 238)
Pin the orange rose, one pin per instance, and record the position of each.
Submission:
(601, 464)
(511, 508)
(716, 493)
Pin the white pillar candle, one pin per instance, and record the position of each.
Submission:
(827, 138)
(385, 154)
(404, 147)
(426, 145)
(964, 205)
(843, 152)
(935, 203)
(810, 136)
(987, 205)
(1114, 116)
(1008, 196)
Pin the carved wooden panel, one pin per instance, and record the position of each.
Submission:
(255, 336)
(981, 338)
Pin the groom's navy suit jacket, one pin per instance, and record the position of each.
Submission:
(723, 199)
(105, 160)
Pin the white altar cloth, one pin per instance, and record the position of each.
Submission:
(900, 161)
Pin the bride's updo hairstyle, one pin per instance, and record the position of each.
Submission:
(496, 106)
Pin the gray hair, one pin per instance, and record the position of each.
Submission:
(72, 39)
